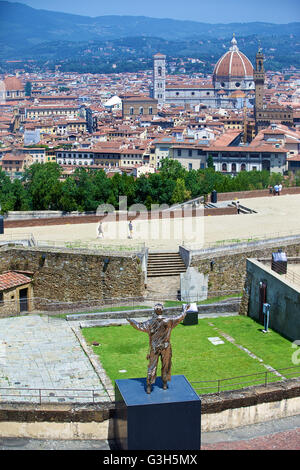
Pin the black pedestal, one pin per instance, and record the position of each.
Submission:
(162, 420)
(191, 318)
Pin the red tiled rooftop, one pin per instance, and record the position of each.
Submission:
(12, 279)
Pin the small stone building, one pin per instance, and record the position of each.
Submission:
(16, 293)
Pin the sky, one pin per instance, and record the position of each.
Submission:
(207, 11)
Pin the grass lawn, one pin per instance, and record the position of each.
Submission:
(124, 348)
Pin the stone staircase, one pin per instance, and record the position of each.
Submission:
(165, 264)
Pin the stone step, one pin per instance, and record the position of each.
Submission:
(171, 264)
(165, 264)
(166, 267)
(164, 273)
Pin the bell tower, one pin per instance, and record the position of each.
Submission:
(159, 78)
(259, 80)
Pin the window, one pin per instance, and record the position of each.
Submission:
(159, 71)
(243, 167)
(141, 110)
(177, 93)
(179, 152)
(237, 84)
(131, 111)
(190, 166)
(1, 296)
(233, 167)
(190, 153)
(150, 110)
(224, 167)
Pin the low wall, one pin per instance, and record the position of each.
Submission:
(226, 410)
(69, 276)
(228, 271)
(254, 193)
(113, 217)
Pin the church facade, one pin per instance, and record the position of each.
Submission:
(232, 84)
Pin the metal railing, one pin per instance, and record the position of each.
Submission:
(288, 274)
(48, 395)
(90, 396)
(123, 247)
(51, 306)
(14, 237)
(240, 240)
(245, 381)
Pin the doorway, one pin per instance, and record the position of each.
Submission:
(23, 297)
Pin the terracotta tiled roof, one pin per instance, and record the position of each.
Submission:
(12, 279)
(13, 84)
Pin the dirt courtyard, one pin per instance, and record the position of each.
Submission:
(276, 216)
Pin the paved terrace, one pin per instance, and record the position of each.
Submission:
(276, 216)
(42, 353)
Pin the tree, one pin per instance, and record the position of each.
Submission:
(28, 89)
(172, 169)
(6, 194)
(68, 195)
(42, 181)
(85, 190)
(210, 162)
(180, 193)
(21, 196)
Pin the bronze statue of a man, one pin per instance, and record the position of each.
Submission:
(159, 330)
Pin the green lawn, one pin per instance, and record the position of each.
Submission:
(124, 348)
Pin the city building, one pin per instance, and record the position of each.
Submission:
(138, 106)
(232, 85)
(267, 113)
(14, 165)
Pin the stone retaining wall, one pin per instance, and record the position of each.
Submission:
(229, 269)
(226, 410)
(69, 276)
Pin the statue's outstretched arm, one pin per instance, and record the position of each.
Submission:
(141, 326)
(176, 320)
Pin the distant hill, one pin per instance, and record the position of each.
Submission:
(22, 27)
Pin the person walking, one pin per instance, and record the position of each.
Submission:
(130, 226)
(238, 207)
(100, 230)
